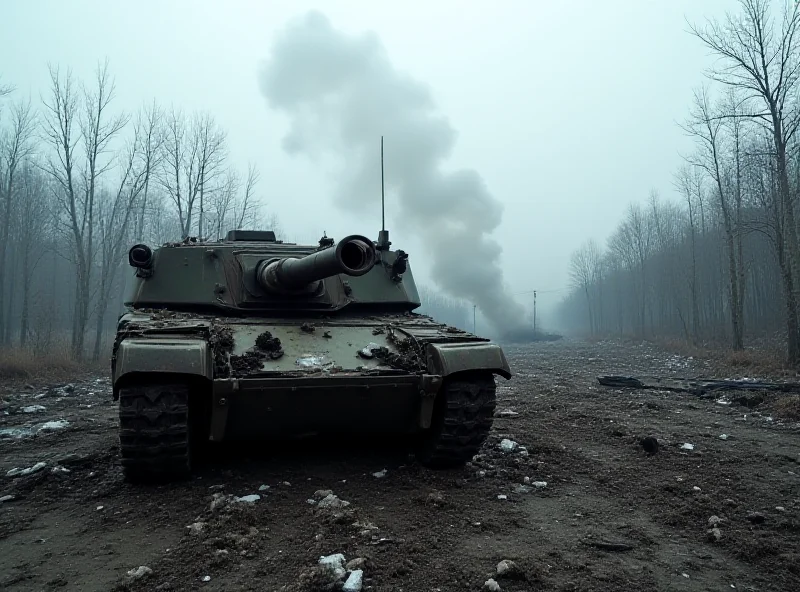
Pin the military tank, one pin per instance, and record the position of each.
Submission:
(252, 338)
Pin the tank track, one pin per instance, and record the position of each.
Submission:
(154, 431)
(462, 420)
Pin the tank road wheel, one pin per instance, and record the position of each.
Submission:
(462, 419)
(154, 431)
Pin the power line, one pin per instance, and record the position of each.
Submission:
(539, 291)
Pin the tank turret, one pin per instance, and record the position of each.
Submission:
(354, 256)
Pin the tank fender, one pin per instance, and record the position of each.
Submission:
(449, 358)
(173, 355)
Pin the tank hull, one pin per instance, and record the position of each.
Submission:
(272, 378)
(270, 408)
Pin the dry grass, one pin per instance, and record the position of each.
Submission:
(22, 364)
(788, 407)
(763, 360)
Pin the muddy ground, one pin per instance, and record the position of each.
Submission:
(610, 517)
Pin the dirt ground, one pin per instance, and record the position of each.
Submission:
(610, 516)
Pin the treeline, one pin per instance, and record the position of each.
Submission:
(722, 262)
(80, 181)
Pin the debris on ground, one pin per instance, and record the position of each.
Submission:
(139, 572)
(507, 445)
(509, 570)
(698, 386)
(50, 426)
(756, 517)
(30, 470)
(34, 409)
(354, 581)
(336, 563)
(650, 444)
(248, 499)
(333, 502)
(491, 585)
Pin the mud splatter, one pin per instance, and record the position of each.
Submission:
(267, 347)
(407, 357)
(270, 345)
(221, 341)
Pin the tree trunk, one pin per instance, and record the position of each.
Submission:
(736, 321)
(26, 288)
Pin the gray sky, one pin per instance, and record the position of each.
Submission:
(568, 110)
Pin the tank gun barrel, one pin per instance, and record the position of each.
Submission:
(354, 255)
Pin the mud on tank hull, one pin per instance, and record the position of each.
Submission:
(182, 377)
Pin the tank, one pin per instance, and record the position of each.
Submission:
(252, 338)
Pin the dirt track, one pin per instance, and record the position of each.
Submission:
(610, 517)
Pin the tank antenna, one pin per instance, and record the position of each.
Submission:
(383, 235)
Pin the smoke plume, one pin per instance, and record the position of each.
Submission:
(342, 93)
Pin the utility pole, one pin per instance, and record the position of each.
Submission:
(534, 311)
(474, 306)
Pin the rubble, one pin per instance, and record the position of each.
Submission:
(332, 502)
(336, 563)
(16, 472)
(357, 563)
(139, 572)
(34, 409)
(508, 569)
(196, 528)
(507, 445)
(354, 581)
(248, 499)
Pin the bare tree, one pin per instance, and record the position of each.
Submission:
(689, 183)
(115, 215)
(34, 224)
(13, 151)
(150, 131)
(211, 151)
(224, 201)
(246, 210)
(708, 128)
(583, 271)
(194, 155)
(762, 61)
(6, 89)
(75, 182)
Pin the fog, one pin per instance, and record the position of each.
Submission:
(513, 135)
